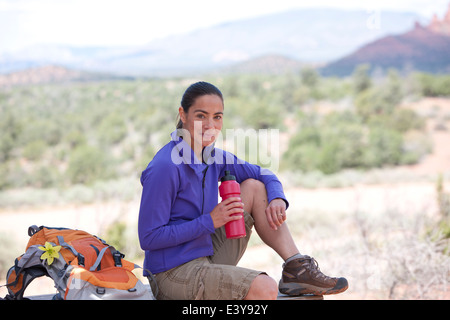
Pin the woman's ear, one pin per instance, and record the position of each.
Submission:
(182, 114)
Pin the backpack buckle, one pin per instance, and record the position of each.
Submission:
(118, 258)
(80, 259)
(33, 229)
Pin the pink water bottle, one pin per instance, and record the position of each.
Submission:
(230, 188)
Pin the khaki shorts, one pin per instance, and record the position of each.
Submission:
(211, 278)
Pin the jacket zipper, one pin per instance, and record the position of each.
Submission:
(203, 187)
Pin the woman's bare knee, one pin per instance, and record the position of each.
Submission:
(253, 192)
(252, 185)
(263, 287)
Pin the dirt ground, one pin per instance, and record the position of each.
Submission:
(372, 199)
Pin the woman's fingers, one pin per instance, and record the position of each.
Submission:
(226, 211)
(275, 216)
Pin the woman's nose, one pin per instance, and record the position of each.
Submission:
(209, 124)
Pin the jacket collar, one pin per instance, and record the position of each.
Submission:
(183, 153)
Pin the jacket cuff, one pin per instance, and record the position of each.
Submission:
(207, 222)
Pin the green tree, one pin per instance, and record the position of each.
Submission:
(392, 90)
(361, 78)
(10, 128)
(4, 171)
(434, 85)
(342, 142)
(384, 147)
(88, 164)
(112, 129)
(309, 77)
(259, 114)
(34, 150)
(329, 159)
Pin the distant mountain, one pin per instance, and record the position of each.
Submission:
(266, 64)
(424, 48)
(39, 75)
(307, 35)
(83, 58)
(50, 74)
(313, 35)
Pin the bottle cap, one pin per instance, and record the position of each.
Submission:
(227, 176)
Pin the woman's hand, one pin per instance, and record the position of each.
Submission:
(223, 212)
(276, 213)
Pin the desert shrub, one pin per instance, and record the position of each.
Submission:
(8, 253)
(434, 85)
(123, 237)
(373, 134)
(88, 164)
(112, 129)
(384, 148)
(34, 150)
(96, 130)
(361, 79)
(443, 202)
(342, 140)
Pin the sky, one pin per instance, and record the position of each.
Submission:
(137, 22)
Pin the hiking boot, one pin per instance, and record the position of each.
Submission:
(303, 276)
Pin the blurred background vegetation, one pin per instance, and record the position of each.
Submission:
(87, 142)
(75, 141)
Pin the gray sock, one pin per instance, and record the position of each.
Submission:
(295, 256)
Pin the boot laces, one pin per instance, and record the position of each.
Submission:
(313, 267)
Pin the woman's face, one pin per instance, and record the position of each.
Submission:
(203, 120)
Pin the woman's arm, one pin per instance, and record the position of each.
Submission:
(277, 202)
(244, 170)
(160, 186)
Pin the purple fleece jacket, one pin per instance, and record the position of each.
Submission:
(179, 192)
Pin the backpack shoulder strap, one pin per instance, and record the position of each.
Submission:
(99, 258)
(18, 279)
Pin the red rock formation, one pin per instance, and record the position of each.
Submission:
(441, 26)
(424, 48)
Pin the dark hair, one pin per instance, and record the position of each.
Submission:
(194, 91)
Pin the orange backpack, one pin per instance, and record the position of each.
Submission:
(82, 266)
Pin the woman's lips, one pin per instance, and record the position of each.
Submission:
(208, 136)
